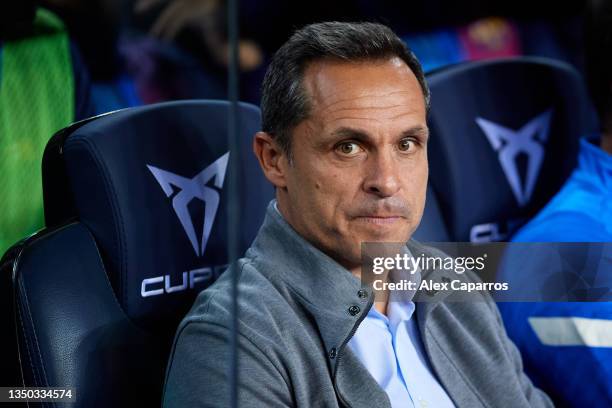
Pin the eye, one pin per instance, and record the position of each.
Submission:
(406, 145)
(348, 148)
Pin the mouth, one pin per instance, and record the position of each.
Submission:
(379, 219)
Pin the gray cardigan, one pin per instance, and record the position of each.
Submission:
(294, 326)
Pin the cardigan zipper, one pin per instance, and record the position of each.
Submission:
(344, 343)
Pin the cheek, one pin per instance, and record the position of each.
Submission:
(330, 191)
(315, 190)
(421, 193)
(415, 184)
(329, 181)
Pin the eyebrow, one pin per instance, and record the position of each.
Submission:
(421, 132)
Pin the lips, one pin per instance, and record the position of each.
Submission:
(379, 219)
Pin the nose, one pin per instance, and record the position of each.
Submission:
(382, 175)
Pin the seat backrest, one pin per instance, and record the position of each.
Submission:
(145, 187)
(503, 138)
(71, 330)
(148, 184)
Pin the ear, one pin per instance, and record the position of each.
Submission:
(271, 158)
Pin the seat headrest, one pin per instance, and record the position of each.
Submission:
(149, 184)
(504, 137)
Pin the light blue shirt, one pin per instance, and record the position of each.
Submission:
(391, 349)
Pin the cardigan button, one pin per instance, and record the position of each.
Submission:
(353, 310)
(362, 294)
(332, 353)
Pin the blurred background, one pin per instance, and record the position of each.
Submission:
(145, 51)
(72, 59)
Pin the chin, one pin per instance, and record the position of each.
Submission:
(382, 232)
(379, 236)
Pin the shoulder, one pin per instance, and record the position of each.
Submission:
(575, 214)
(197, 371)
(473, 307)
(264, 306)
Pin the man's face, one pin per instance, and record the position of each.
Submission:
(359, 169)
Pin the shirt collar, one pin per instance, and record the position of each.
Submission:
(398, 311)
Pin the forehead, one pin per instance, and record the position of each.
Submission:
(379, 90)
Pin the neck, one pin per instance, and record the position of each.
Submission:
(381, 306)
(381, 298)
(381, 302)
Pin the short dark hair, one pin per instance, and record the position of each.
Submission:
(598, 57)
(284, 102)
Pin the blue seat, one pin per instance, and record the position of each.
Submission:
(504, 138)
(137, 218)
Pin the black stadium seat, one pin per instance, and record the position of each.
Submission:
(137, 220)
(504, 137)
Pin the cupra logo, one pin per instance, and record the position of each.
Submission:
(194, 188)
(508, 144)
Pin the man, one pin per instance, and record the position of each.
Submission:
(344, 141)
(580, 212)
